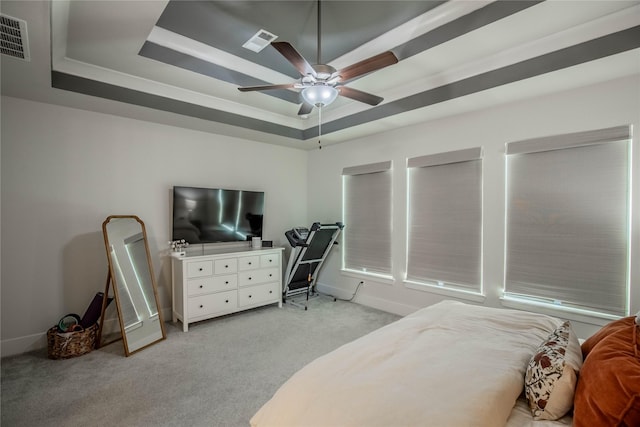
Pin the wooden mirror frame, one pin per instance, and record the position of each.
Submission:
(111, 280)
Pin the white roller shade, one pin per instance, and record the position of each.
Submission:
(367, 217)
(445, 220)
(567, 225)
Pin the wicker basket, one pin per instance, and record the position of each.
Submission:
(65, 345)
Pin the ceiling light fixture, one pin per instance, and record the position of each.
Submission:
(321, 84)
(319, 95)
(319, 78)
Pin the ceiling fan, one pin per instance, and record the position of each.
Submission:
(320, 84)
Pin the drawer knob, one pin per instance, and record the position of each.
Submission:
(201, 286)
(270, 275)
(249, 296)
(270, 260)
(201, 305)
(226, 282)
(226, 300)
(249, 278)
(270, 292)
(249, 262)
(200, 269)
(226, 266)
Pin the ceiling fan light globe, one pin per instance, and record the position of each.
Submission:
(320, 95)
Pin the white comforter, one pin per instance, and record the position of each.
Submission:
(450, 364)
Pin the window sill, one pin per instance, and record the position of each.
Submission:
(379, 278)
(567, 313)
(454, 293)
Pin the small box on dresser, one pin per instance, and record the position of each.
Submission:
(224, 280)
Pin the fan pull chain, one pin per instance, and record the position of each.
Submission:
(319, 126)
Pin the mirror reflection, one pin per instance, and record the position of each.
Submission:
(133, 282)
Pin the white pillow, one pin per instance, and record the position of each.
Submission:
(551, 376)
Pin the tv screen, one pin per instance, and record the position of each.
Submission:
(212, 215)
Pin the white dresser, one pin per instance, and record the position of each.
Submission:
(225, 280)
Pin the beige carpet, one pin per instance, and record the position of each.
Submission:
(217, 374)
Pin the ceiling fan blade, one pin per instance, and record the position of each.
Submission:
(366, 66)
(359, 95)
(305, 109)
(295, 58)
(267, 87)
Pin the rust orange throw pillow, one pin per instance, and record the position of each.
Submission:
(605, 331)
(608, 390)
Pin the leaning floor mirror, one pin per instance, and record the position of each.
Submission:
(132, 280)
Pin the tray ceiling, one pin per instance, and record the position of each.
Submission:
(181, 62)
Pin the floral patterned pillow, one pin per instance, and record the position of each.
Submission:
(551, 376)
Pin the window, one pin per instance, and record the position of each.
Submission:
(444, 225)
(367, 218)
(567, 220)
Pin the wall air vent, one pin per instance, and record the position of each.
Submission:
(13, 38)
(259, 41)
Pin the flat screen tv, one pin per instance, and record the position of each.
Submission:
(213, 215)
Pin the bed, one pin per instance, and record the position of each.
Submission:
(450, 364)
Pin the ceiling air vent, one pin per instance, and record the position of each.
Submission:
(259, 41)
(13, 37)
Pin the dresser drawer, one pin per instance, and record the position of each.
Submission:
(207, 285)
(269, 292)
(247, 278)
(212, 303)
(223, 266)
(248, 263)
(270, 260)
(199, 269)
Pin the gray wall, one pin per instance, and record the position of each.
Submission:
(65, 170)
(608, 104)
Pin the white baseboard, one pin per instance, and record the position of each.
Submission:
(370, 301)
(33, 342)
(13, 346)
